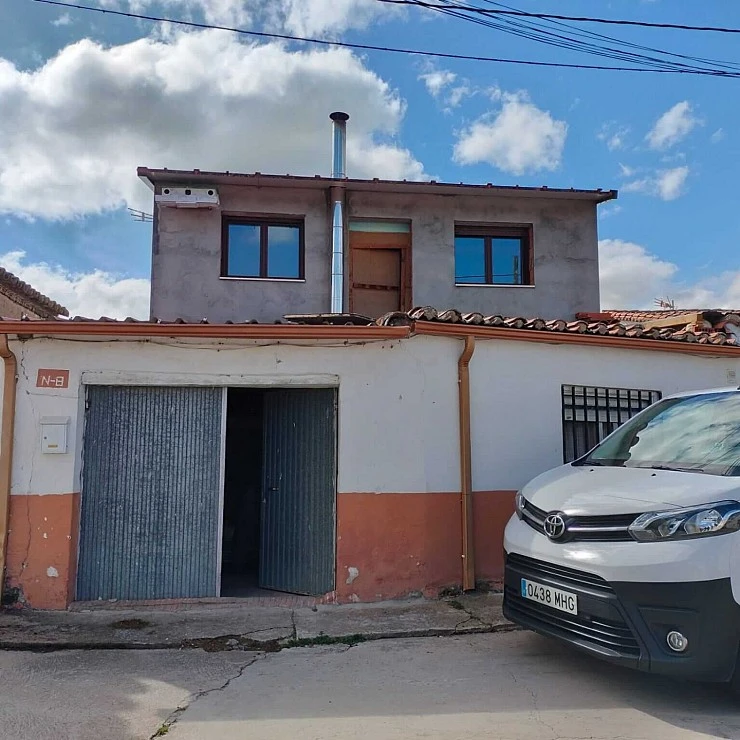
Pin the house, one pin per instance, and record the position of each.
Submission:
(236, 247)
(690, 320)
(297, 427)
(18, 299)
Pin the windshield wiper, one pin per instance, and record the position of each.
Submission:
(606, 463)
(677, 469)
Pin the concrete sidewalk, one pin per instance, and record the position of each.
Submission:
(240, 625)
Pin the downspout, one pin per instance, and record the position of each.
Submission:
(339, 172)
(7, 430)
(466, 465)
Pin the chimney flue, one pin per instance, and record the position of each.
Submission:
(338, 172)
(339, 157)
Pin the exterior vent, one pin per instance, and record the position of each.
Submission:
(188, 198)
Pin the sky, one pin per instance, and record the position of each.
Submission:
(86, 97)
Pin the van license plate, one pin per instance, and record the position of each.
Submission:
(549, 596)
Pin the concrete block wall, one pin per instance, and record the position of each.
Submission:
(186, 264)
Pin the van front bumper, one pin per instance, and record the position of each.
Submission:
(628, 622)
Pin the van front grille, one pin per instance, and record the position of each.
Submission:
(609, 528)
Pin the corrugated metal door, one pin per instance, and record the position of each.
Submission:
(298, 499)
(151, 493)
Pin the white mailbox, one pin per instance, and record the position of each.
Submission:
(54, 434)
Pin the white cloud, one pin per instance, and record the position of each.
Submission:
(670, 183)
(518, 138)
(632, 278)
(437, 80)
(301, 17)
(458, 94)
(613, 135)
(717, 136)
(664, 184)
(607, 210)
(440, 84)
(308, 17)
(673, 126)
(74, 130)
(93, 294)
(64, 20)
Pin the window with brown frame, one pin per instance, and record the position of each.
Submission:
(271, 248)
(493, 255)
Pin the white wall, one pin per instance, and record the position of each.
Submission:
(397, 402)
(398, 415)
(516, 402)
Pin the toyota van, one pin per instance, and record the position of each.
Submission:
(632, 553)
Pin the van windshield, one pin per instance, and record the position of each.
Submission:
(696, 433)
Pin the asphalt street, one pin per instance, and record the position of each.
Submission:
(510, 686)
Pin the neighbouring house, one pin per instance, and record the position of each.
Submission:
(290, 423)
(689, 320)
(236, 247)
(18, 299)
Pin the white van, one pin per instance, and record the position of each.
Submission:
(632, 553)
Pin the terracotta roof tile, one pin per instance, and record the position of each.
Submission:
(579, 326)
(421, 314)
(45, 305)
(639, 317)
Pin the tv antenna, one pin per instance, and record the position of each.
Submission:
(666, 303)
(140, 215)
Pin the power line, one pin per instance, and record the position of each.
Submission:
(552, 35)
(581, 19)
(592, 34)
(387, 49)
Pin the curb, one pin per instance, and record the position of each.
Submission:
(222, 643)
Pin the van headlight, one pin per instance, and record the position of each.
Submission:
(707, 520)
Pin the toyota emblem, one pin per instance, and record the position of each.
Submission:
(554, 526)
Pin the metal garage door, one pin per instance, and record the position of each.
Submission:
(298, 502)
(150, 493)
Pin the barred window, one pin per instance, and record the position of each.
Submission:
(591, 413)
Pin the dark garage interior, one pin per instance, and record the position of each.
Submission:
(242, 492)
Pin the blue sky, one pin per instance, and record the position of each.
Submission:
(87, 97)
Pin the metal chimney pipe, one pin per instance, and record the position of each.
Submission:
(339, 156)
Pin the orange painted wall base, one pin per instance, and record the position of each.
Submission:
(391, 545)
(42, 549)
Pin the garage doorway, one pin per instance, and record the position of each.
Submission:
(279, 491)
(193, 492)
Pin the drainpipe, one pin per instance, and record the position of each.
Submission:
(338, 172)
(466, 465)
(6, 447)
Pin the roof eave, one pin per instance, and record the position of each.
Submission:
(153, 177)
(142, 330)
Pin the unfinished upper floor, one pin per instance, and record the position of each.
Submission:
(234, 247)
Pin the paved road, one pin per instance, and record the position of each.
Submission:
(507, 686)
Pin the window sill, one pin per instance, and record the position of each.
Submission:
(490, 285)
(261, 279)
